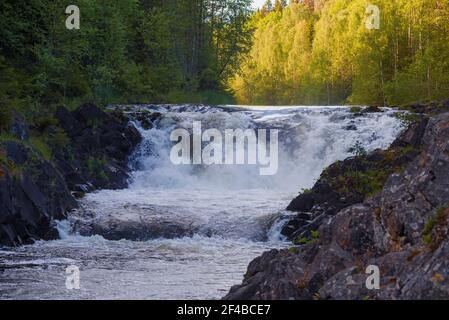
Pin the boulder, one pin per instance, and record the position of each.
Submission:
(68, 122)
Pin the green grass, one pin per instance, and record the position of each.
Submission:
(372, 180)
(367, 183)
(315, 237)
(40, 145)
(429, 237)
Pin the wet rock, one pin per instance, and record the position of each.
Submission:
(131, 223)
(351, 127)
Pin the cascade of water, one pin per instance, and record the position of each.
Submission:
(196, 225)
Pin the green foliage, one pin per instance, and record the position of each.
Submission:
(5, 117)
(313, 239)
(58, 139)
(366, 177)
(96, 168)
(44, 121)
(126, 51)
(306, 191)
(367, 183)
(427, 232)
(40, 145)
(407, 118)
(293, 250)
(324, 54)
(358, 150)
(430, 234)
(95, 165)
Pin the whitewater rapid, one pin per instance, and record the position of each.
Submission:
(189, 232)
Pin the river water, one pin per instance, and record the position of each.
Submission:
(189, 232)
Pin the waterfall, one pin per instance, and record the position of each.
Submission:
(182, 224)
(165, 200)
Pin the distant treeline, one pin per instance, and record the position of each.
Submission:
(126, 51)
(331, 52)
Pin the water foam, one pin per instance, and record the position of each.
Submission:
(234, 213)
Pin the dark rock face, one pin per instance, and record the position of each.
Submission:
(97, 157)
(32, 199)
(34, 192)
(403, 230)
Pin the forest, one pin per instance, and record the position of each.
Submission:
(126, 51)
(323, 52)
(221, 51)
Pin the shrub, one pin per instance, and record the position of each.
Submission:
(58, 139)
(314, 238)
(95, 165)
(434, 231)
(39, 144)
(44, 122)
(96, 168)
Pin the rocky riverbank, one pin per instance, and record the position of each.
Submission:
(389, 209)
(44, 167)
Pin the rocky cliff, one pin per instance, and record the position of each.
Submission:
(388, 209)
(44, 167)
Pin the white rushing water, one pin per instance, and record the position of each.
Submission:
(191, 230)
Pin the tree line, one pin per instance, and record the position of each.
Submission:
(126, 51)
(322, 52)
(149, 51)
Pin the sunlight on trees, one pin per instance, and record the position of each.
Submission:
(321, 52)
